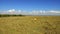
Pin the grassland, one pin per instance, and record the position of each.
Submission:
(30, 25)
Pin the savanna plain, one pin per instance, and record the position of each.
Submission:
(30, 25)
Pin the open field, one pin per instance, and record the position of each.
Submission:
(30, 25)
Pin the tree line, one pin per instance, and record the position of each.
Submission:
(7, 15)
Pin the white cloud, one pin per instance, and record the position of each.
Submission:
(33, 12)
(12, 10)
(54, 11)
(19, 10)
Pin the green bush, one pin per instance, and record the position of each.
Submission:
(7, 15)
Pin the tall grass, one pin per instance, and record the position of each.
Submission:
(30, 25)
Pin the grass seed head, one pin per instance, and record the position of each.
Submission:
(35, 19)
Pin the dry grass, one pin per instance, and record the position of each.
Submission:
(30, 25)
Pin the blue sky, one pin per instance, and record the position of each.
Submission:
(30, 4)
(33, 7)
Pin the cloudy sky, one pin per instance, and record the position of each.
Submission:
(30, 7)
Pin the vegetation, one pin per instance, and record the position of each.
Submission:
(30, 25)
(7, 15)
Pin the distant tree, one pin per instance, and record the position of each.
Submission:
(8, 15)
